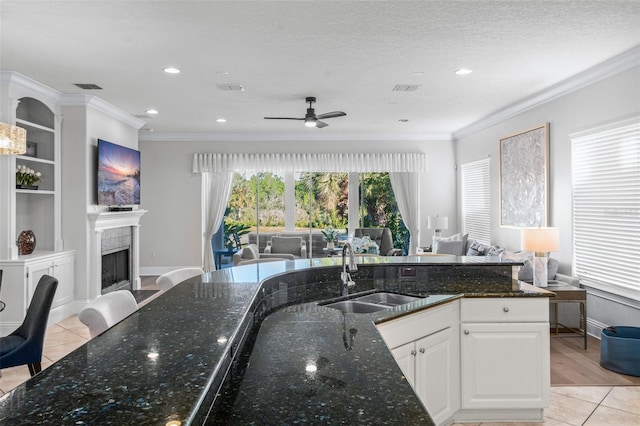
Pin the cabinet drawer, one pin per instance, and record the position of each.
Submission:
(508, 309)
(415, 326)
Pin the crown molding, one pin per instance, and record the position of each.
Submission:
(19, 81)
(280, 137)
(609, 68)
(102, 106)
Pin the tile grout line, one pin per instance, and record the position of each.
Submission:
(597, 406)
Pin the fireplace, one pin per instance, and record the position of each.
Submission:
(116, 267)
(113, 232)
(116, 259)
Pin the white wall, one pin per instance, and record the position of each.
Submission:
(81, 128)
(608, 100)
(605, 101)
(171, 234)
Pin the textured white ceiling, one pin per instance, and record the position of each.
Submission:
(349, 54)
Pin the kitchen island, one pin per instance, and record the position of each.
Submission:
(252, 344)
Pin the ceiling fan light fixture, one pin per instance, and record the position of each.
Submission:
(310, 122)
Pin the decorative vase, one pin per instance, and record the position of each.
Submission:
(330, 245)
(26, 242)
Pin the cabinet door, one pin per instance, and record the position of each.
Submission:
(405, 356)
(505, 365)
(437, 378)
(35, 271)
(63, 270)
(60, 267)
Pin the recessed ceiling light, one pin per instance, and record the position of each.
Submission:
(152, 111)
(221, 120)
(464, 71)
(153, 355)
(172, 70)
(418, 73)
(222, 73)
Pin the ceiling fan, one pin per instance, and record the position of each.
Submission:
(311, 119)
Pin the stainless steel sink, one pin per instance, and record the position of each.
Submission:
(372, 302)
(356, 307)
(388, 299)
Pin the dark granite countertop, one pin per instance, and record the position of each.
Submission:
(168, 361)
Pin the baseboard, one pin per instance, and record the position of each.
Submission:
(594, 328)
(499, 415)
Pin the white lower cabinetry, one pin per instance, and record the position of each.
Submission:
(426, 347)
(476, 359)
(20, 279)
(505, 358)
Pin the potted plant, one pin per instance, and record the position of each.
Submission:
(330, 236)
(26, 178)
(232, 233)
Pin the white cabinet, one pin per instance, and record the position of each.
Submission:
(505, 355)
(20, 278)
(34, 207)
(60, 266)
(426, 347)
(24, 207)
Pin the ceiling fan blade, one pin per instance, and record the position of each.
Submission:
(332, 114)
(283, 118)
(321, 124)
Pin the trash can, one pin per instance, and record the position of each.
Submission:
(620, 350)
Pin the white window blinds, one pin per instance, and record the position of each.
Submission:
(606, 207)
(476, 200)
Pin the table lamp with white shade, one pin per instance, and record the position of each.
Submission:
(541, 241)
(437, 223)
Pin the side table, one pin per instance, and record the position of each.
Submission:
(566, 293)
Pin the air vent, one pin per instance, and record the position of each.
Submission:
(230, 87)
(88, 86)
(406, 88)
(143, 117)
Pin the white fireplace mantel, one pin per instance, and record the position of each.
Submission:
(99, 221)
(106, 220)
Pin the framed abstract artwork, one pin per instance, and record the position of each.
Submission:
(524, 178)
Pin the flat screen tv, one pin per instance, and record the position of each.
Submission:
(118, 178)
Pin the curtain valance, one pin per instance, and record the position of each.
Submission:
(312, 162)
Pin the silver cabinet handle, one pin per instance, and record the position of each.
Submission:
(413, 352)
(466, 332)
(421, 350)
(505, 309)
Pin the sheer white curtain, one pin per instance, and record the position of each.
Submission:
(217, 170)
(215, 196)
(406, 188)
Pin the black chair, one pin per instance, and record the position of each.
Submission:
(24, 346)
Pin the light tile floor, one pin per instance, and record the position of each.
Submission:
(575, 406)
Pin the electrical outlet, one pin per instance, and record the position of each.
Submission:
(153, 253)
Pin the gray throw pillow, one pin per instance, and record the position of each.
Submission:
(493, 251)
(449, 247)
(475, 249)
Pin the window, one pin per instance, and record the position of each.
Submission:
(476, 200)
(324, 194)
(606, 207)
(378, 207)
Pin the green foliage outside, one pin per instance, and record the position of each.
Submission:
(326, 194)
